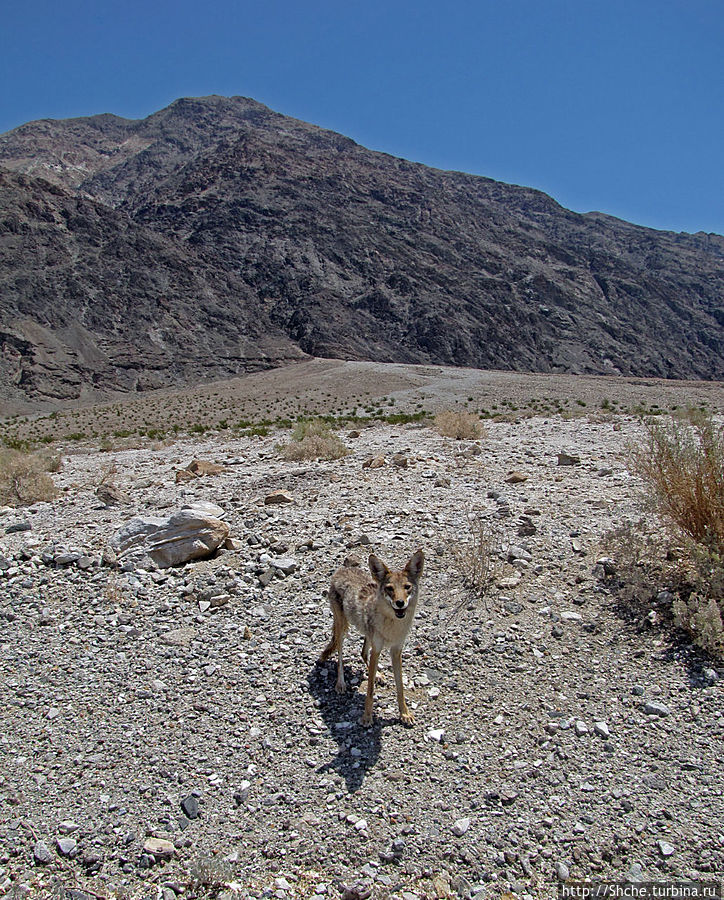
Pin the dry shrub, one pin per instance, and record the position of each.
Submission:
(478, 555)
(701, 616)
(458, 424)
(24, 477)
(313, 440)
(682, 467)
(684, 583)
(678, 570)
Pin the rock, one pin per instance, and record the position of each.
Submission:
(580, 728)
(400, 460)
(526, 526)
(654, 708)
(111, 494)
(200, 467)
(516, 478)
(441, 886)
(285, 564)
(41, 854)
(278, 497)
(711, 676)
(374, 462)
(601, 729)
(607, 566)
(179, 637)
(159, 848)
(67, 847)
(190, 806)
(192, 533)
(18, 527)
(562, 871)
(510, 581)
(665, 848)
(568, 459)
(241, 795)
(635, 873)
(266, 577)
(460, 827)
(570, 616)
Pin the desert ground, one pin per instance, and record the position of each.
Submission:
(169, 732)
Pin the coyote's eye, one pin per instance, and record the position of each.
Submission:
(389, 590)
(408, 587)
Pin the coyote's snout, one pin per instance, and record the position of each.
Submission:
(381, 608)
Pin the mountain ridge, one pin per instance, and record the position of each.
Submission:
(310, 244)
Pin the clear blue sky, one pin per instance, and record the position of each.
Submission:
(615, 105)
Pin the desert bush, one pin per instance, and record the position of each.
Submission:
(701, 616)
(313, 439)
(682, 583)
(478, 556)
(24, 477)
(458, 424)
(682, 466)
(210, 876)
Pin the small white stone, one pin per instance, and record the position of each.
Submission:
(460, 827)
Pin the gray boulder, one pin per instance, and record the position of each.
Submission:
(193, 532)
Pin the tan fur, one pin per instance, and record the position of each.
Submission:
(368, 602)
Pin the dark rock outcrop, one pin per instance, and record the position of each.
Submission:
(217, 236)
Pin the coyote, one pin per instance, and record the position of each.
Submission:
(381, 608)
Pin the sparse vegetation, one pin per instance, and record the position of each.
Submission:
(478, 555)
(209, 876)
(25, 478)
(313, 440)
(682, 467)
(458, 424)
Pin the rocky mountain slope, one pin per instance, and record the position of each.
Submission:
(221, 236)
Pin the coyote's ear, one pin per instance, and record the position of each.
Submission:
(379, 569)
(415, 564)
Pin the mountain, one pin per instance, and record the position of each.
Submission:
(217, 236)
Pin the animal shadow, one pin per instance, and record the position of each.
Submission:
(358, 747)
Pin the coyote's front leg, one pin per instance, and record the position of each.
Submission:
(405, 715)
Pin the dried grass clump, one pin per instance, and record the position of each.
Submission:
(701, 616)
(682, 467)
(313, 440)
(478, 554)
(458, 424)
(24, 477)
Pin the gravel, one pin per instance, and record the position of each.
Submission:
(156, 737)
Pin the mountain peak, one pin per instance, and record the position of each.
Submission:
(284, 239)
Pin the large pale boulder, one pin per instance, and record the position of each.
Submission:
(193, 532)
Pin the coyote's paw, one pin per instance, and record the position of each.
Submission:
(340, 687)
(367, 720)
(407, 718)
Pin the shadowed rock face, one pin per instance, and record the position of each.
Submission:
(216, 237)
